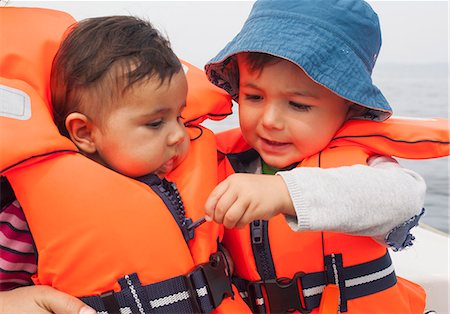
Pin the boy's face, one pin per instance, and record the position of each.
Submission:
(284, 114)
(144, 133)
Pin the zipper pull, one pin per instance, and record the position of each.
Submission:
(197, 223)
(257, 232)
(190, 226)
(188, 232)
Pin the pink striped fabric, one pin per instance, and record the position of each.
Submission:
(17, 253)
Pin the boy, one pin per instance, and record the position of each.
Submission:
(299, 70)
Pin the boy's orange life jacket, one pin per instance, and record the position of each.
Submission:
(264, 251)
(91, 225)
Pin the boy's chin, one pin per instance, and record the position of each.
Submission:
(277, 162)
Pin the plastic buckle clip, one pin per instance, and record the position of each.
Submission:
(217, 279)
(283, 294)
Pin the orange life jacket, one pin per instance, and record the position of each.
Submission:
(96, 230)
(265, 251)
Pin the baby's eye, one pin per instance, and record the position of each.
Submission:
(252, 97)
(155, 124)
(180, 117)
(300, 107)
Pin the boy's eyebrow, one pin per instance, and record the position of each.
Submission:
(303, 93)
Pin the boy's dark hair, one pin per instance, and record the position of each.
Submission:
(256, 61)
(100, 59)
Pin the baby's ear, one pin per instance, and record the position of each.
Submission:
(80, 130)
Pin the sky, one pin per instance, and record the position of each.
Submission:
(412, 31)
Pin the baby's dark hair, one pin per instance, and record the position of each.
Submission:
(100, 59)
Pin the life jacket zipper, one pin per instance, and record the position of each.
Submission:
(261, 249)
(171, 197)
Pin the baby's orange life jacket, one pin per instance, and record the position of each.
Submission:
(98, 232)
(273, 263)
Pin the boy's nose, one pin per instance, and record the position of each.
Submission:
(271, 118)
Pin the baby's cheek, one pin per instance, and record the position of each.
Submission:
(186, 146)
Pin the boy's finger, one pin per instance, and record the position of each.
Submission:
(234, 214)
(223, 205)
(213, 198)
(247, 217)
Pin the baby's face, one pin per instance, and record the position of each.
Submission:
(145, 134)
(284, 114)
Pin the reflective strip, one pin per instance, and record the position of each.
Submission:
(313, 291)
(352, 282)
(14, 103)
(177, 297)
(173, 298)
(243, 294)
(123, 310)
(260, 301)
(202, 291)
(134, 293)
(335, 272)
(371, 277)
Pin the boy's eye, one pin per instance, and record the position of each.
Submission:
(155, 124)
(300, 107)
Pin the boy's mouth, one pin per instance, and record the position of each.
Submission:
(275, 143)
(272, 146)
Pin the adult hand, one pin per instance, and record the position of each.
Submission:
(40, 300)
(242, 198)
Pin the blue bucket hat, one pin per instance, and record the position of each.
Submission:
(336, 42)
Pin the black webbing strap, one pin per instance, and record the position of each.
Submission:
(353, 282)
(201, 291)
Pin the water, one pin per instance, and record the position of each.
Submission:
(414, 91)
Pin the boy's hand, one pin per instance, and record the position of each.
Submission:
(242, 198)
(41, 299)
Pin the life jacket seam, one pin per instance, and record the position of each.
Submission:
(37, 156)
(391, 139)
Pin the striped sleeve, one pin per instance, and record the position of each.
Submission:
(18, 258)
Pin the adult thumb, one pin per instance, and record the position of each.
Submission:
(61, 303)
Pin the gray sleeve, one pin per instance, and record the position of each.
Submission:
(361, 200)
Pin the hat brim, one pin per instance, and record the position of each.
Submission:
(325, 57)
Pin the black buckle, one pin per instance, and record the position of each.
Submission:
(217, 280)
(283, 294)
